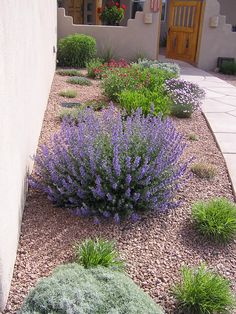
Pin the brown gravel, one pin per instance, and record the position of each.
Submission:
(154, 248)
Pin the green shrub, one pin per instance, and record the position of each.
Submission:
(215, 219)
(156, 101)
(204, 171)
(132, 78)
(69, 72)
(203, 292)
(99, 252)
(68, 93)
(76, 50)
(91, 66)
(228, 67)
(79, 81)
(73, 289)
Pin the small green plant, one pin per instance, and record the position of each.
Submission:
(79, 81)
(215, 219)
(68, 93)
(204, 171)
(69, 72)
(96, 105)
(107, 55)
(192, 137)
(91, 67)
(228, 67)
(99, 252)
(71, 113)
(76, 50)
(203, 291)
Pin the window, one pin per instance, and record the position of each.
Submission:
(164, 10)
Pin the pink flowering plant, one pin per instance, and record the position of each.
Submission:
(186, 97)
(105, 166)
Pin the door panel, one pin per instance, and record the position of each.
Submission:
(184, 24)
(75, 9)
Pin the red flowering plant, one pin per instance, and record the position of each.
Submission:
(112, 13)
(101, 69)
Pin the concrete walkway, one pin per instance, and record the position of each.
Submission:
(219, 109)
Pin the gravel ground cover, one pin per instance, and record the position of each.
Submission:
(155, 248)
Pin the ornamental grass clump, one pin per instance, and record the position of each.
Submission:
(98, 252)
(203, 291)
(105, 166)
(215, 219)
(186, 97)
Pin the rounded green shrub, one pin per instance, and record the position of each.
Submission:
(73, 289)
(203, 291)
(76, 50)
(216, 219)
(101, 252)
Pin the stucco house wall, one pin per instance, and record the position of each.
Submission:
(228, 8)
(27, 63)
(217, 41)
(126, 42)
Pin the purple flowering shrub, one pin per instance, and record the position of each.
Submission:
(186, 97)
(106, 166)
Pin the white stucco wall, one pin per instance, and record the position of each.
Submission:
(217, 41)
(27, 63)
(228, 8)
(126, 42)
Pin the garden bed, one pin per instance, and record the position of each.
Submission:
(155, 248)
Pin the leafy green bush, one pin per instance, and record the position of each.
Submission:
(91, 66)
(73, 289)
(215, 219)
(79, 81)
(132, 78)
(76, 50)
(68, 93)
(204, 171)
(99, 252)
(69, 72)
(149, 101)
(203, 292)
(228, 67)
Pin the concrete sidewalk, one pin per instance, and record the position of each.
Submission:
(219, 108)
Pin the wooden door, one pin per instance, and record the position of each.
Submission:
(183, 31)
(75, 9)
